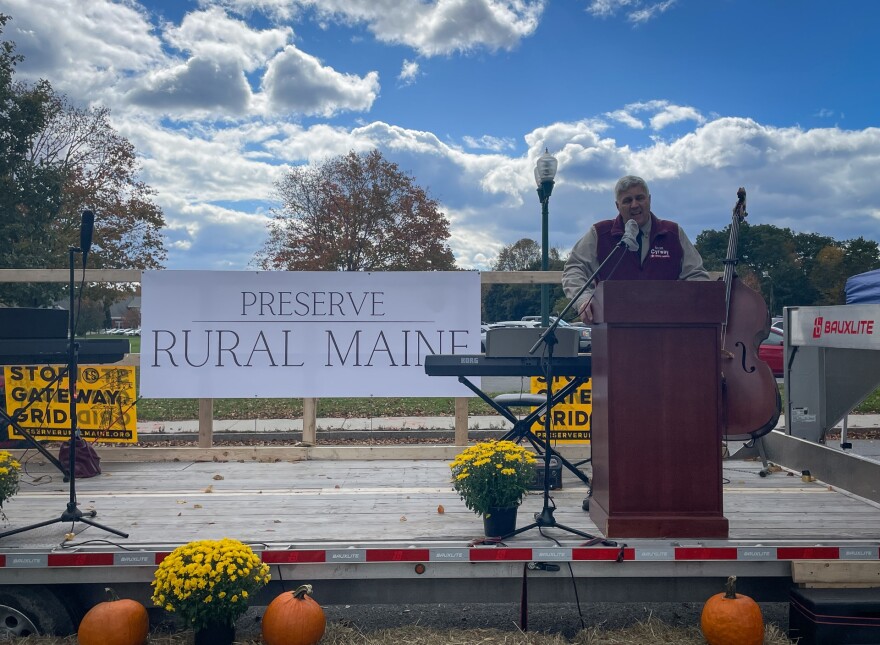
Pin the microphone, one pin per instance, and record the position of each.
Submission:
(630, 233)
(87, 228)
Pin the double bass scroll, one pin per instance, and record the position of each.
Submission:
(751, 404)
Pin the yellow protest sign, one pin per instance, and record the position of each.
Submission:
(40, 402)
(570, 419)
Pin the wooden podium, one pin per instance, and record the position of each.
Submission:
(656, 428)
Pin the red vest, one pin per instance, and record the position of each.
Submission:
(664, 258)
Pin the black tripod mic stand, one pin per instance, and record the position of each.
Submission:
(73, 513)
(545, 519)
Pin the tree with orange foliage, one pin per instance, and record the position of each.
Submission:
(355, 213)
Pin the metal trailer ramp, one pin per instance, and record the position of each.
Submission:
(832, 362)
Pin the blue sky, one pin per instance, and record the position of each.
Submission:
(699, 97)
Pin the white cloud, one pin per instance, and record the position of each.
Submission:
(432, 28)
(625, 117)
(409, 71)
(279, 10)
(475, 248)
(604, 8)
(84, 49)
(294, 144)
(109, 53)
(795, 178)
(228, 237)
(213, 35)
(486, 142)
(298, 82)
(664, 114)
(637, 11)
(214, 178)
(214, 195)
(201, 164)
(670, 114)
(214, 78)
(651, 11)
(804, 179)
(198, 87)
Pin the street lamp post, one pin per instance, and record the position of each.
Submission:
(545, 171)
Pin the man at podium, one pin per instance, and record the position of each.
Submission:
(664, 251)
(656, 459)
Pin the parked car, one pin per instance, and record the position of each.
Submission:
(538, 319)
(771, 352)
(515, 323)
(776, 323)
(585, 340)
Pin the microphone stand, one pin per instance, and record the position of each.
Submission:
(548, 338)
(72, 513)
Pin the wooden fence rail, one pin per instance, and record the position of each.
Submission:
(310, 405)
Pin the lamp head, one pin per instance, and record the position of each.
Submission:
(545, 168)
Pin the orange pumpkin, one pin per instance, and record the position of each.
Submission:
(730, 618)
(115, 622)
(294, 618)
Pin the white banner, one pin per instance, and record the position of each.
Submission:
(274, 334)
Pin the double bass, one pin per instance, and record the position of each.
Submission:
(751, 404)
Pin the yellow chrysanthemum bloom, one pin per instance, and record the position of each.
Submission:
(206, 581)
(492, 474)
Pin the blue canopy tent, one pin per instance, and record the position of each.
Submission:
(863, 288)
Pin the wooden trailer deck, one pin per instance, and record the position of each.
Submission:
(356, 523)
(383, 500)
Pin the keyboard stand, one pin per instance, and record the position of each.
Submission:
(522, 428)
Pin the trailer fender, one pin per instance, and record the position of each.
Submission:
(35, 609)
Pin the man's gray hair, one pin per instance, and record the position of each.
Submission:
(625, 183)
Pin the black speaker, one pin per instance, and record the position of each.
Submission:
(25, 322)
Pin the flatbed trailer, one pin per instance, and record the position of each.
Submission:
(383, 525)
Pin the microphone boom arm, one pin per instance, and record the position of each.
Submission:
(555, 324)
